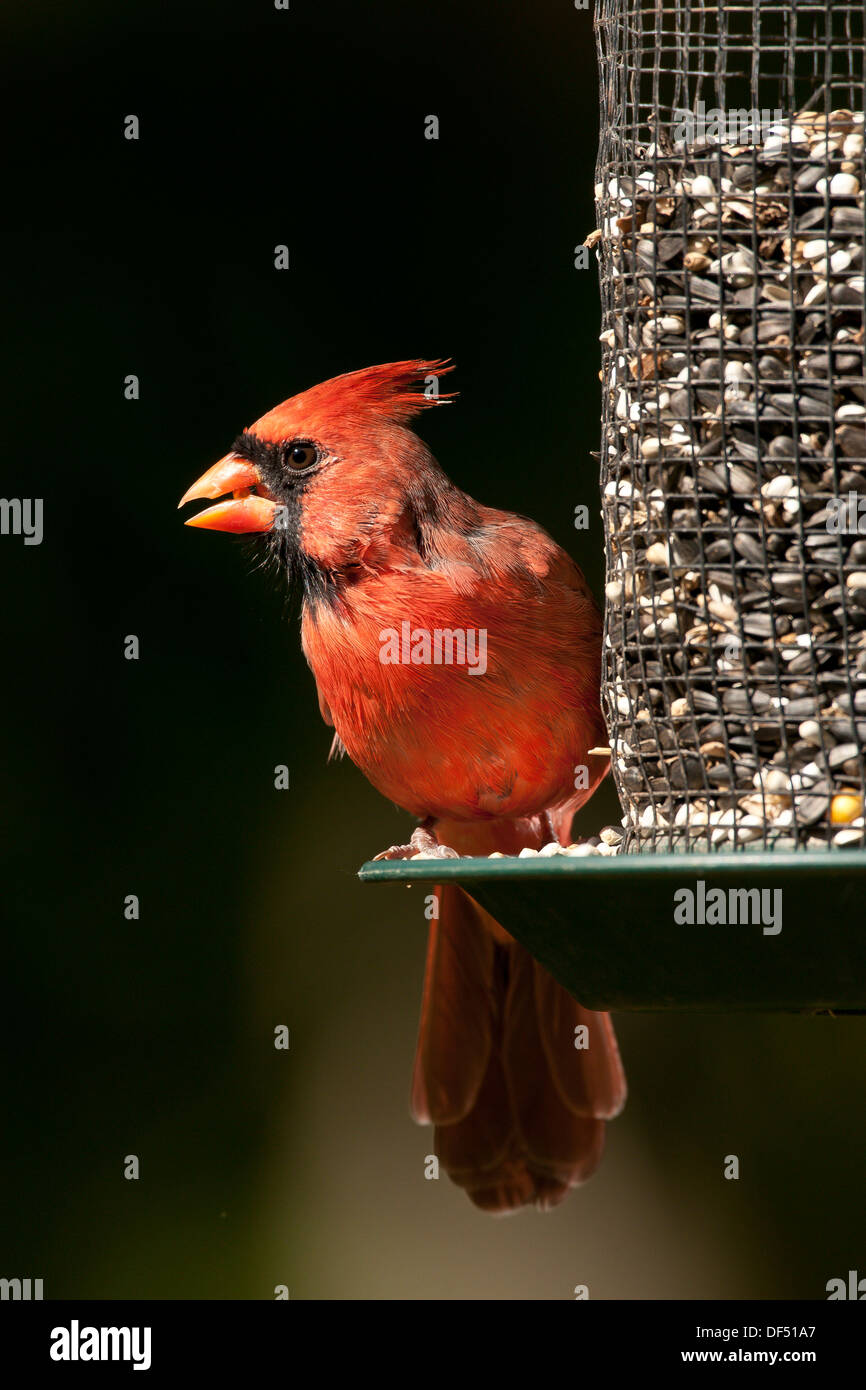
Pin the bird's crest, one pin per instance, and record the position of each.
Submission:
(394, 391)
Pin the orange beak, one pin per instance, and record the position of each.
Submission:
(246, 511)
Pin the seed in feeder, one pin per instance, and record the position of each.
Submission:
(779, 486)
(810, 732)
(839, 262)
(842, 754)
(657, 554)
(852, 410)
(846, 807)
(747, 527)
(817, 294)
(747, 828)
(810, 809)
(815, 250)
(844, 185)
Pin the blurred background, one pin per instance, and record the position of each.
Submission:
(155, 777)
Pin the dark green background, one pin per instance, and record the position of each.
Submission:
(156, 777)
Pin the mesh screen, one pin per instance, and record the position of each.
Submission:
(733, 467)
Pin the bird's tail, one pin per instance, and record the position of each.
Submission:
(517, 1077)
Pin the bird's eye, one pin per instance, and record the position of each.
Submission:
(302, 455)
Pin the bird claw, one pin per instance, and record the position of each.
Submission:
(421, 844)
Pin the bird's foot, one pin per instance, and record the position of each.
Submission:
(421, 845)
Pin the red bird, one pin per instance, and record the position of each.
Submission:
(400, 572)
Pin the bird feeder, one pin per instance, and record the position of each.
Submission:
(730, 199)
(730, 191)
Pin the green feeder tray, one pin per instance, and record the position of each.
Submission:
(606, 929)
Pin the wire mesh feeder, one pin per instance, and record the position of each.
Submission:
(731, 209)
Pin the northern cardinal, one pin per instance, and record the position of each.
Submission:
(354, 506)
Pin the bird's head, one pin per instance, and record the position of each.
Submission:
(330, 474)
